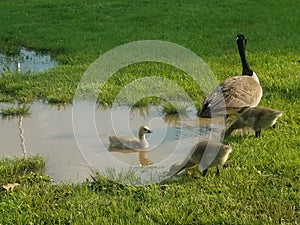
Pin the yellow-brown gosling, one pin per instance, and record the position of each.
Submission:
(256, 118)
(131, 142)
(205, 154)
(235, 93)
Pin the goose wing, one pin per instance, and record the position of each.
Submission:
(237, 93)
(124, 142)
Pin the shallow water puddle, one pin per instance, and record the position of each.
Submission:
(27, 61)
(49, 131)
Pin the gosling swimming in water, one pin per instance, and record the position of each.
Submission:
(206, 154)
(256, 118)
(131, 142)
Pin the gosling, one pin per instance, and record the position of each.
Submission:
(206, 154)
(131, 142)
(256, 118)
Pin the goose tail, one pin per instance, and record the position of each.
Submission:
(228, 131)
(205, 112)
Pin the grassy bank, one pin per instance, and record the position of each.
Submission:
(261, 186)
(246, 193)
(77, 33)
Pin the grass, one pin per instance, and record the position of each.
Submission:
(261, 185)
(22, 110)
(76, 40)
(180, 109)
(78, 32)
(21, 169)
(54, 86)
(241, 195)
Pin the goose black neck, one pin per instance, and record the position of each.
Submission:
(246, 68)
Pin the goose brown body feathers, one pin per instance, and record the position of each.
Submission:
(236, 93)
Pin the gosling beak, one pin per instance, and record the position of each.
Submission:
(147, 130)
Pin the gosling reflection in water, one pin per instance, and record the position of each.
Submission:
(142, 155)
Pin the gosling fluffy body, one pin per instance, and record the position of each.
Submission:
(256, 118)
(131, 142)
(206, 154)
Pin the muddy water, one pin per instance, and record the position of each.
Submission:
(27, 61)
(73, 151)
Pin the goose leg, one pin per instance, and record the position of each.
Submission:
(274, 126)
(218, 171)
(257, 133)
(225, 118)
(204, 172)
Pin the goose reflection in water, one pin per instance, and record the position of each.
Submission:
(142, 155)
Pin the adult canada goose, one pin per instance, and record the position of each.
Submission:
(131, 142)
(256, 118)
(238, 92)
(206, 154)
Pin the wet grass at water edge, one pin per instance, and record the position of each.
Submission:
(244, 193)
(21, 110)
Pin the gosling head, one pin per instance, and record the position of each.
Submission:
(224, 153)
(277, 114)
(219, 159)
(225, 150)
(175, 168)
(144, 130)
